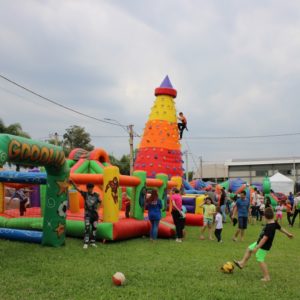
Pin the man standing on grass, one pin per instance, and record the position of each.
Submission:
(242, 206)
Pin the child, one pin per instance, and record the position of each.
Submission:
(91, 217)
(263, 244)
(254, 207)
(289, 212)
(209, 211)
(268, 202)
(219, 224)
(279, 209)
(233, 212)
(23, 198)
(262, 208)
(182, 124)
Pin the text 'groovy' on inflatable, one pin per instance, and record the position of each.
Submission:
(28, 152)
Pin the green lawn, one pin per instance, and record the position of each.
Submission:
(161, 270)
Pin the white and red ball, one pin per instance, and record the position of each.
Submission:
(118, 279)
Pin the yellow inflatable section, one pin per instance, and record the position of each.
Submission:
(164, 109)
(199, 201)
(111, 179)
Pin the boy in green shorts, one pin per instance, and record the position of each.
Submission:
(263, 244)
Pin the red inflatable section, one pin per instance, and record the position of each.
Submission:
(159, 160)
(130, 228)
(194, 220)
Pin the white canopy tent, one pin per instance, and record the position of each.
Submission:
(282, 184)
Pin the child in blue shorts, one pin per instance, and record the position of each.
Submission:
(263, 244)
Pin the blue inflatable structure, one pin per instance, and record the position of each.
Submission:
(21, 235)
(23, 177)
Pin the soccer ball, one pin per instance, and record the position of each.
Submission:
(118, 279)
(227, 267)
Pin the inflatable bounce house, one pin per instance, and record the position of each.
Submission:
(59, 210)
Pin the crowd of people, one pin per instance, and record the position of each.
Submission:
(218, 208)
(241, 209)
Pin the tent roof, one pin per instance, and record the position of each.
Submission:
(278, 177)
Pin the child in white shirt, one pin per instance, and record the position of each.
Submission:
(219, 224)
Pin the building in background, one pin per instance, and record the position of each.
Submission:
(214, 172)
(254, 170)
(251, 170)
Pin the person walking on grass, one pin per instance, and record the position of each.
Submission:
(291, 198)
(233, 212)
(242, 207)
(279, 209)
(268, 202)
(219, 225)
(289, 212)
(254, 207)
(263, 244)
(222, 204)
(296, 208)
(154, 213)
(177, 214)
(209, 212)
(91, 217)
(262, 208)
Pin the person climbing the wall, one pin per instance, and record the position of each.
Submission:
(91, 217)
(182, 124)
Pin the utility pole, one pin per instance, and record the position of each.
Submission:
(201, 175)
(186, 166)
(56, 139)
(295, 174)
(130, 130)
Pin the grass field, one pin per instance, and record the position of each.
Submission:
(161, 270)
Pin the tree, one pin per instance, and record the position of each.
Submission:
(14, 129)
(54, 140)
(76, 137)
(123, 164)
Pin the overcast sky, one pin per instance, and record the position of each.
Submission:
(235, 65)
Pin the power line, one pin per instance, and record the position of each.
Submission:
(56, 103)
(189, 151)
(241, 137)
(92, 136)
(136, 134)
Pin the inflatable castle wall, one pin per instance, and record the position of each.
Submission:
(160, 149)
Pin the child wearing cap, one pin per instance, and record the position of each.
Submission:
(91, 217)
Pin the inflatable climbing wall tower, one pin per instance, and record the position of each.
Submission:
(160, 150)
